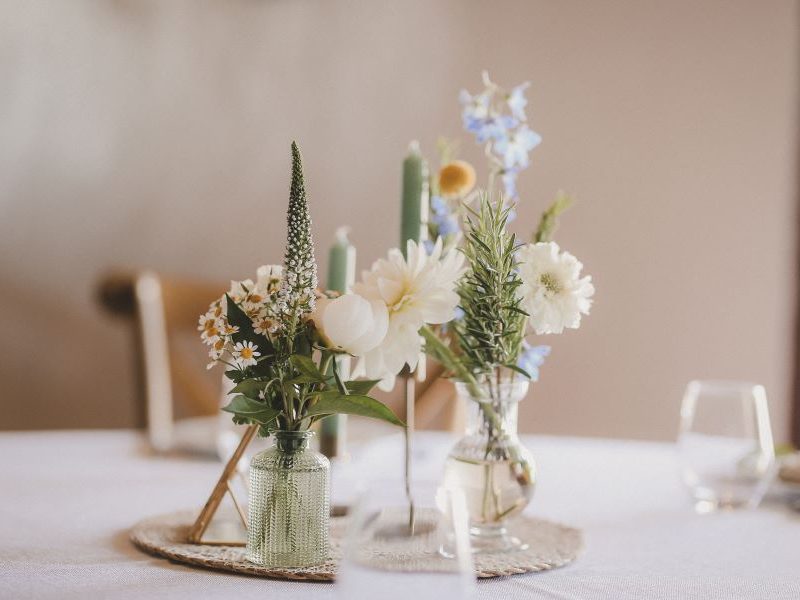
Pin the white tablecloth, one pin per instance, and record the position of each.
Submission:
(67, 500)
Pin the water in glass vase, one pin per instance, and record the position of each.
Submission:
(494, 490)
(491, 467)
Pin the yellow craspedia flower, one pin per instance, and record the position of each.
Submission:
(456, 179)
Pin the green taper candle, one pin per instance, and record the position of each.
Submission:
(341, 276)
(414, 216)
(341, 262)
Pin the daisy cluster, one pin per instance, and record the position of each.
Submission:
(497, 118)
(259, 301)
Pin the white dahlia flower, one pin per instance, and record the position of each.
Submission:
(415, 291)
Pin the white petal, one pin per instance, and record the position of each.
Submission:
(346, 319)
(376, 331)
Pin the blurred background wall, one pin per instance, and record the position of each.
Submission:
(156, 134)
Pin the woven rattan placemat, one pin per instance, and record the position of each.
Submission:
(550, 545)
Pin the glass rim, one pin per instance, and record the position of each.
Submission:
(722, 385)
(506, 387)
(291, 434)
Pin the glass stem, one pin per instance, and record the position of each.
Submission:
(409, 430)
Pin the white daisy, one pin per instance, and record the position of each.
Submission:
(207, 321)
(212, 331)
(263, 324)
(245, 353)
(552, 291)
(216, 351)
(240, 289)
(268, 279)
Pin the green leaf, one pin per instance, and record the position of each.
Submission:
(302, 379)
(307, 368)
(250, 388)
(235, 375)
(332, 403)
(518, 369)
(361, 388)
(252, 410)
(339, 383)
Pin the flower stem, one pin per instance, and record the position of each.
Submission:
(440, 351)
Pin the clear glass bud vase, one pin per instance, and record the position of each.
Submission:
(289, 503)
(490, 465)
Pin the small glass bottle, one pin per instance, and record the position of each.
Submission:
(289, 503)
(492, 468)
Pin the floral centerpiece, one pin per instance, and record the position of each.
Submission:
(471, 297)
(269, 335)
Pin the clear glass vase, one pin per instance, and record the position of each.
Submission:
(289, 503)
(492, 468)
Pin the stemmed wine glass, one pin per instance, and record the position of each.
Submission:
(387, 556)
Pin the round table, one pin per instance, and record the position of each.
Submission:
(68, 499)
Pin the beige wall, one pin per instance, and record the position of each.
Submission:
(157, 134)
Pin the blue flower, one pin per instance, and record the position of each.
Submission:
(439, 205)
(446, 224)
(514, 148)
(443, 217)
(509, 178)
(532, 358)
(475, 107)
(517, 101)
(497, 118)
(479, 118)
(490, 128)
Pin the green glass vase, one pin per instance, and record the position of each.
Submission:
(289, 503)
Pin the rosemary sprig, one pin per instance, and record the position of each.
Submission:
(491, 333)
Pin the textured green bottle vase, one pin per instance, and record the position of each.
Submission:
(289, 503)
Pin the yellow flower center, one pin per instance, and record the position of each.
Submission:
(246, 353)
(550, 283)
(456, 179)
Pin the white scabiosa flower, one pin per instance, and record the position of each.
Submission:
(553, 292)
(416, 291)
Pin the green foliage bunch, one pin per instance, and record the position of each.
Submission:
(286, 377)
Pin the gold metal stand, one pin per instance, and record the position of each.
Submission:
(223, 487)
